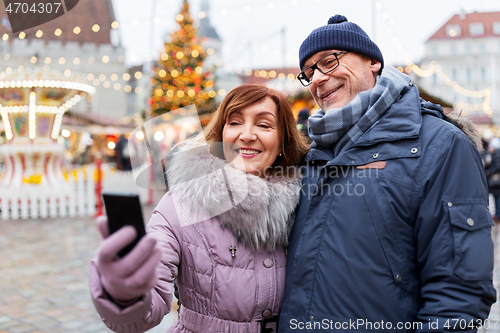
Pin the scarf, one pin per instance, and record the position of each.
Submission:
(259, 212)
(340, 128)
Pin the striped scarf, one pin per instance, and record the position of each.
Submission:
(340, 128)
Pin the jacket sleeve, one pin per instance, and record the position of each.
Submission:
(453, 235)
(151, 308)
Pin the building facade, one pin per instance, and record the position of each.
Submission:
(82, 45)
(462, 65)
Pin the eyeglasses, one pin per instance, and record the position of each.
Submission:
(325, 65)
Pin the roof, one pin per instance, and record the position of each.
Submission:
(84, 15)
(205, 29)
(464, 21)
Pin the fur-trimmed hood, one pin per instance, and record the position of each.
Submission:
(454, 117)
(468, 127)
(258, 211)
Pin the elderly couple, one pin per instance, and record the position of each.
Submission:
(409, 251)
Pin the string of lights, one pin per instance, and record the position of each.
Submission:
(121, 81)
(58, 32)
(433, 69)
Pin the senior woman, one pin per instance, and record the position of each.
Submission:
(221, 231)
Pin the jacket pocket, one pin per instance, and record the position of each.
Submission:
(394, 234)
(471, 224)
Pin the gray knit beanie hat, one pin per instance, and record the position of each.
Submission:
(339, 34)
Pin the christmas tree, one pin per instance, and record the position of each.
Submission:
(180, 79)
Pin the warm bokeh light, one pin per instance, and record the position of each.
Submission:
(65, 133)
(139, 136)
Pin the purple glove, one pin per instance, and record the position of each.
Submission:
(128, 278)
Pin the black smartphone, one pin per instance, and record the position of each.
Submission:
(124, 209)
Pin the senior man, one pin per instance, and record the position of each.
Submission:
(393, 232)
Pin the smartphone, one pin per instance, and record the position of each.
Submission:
(124, 209)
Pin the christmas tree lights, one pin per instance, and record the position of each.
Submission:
(180, 79)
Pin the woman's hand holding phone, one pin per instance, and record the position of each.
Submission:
(130, 277)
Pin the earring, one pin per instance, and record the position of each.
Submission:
(280, 155)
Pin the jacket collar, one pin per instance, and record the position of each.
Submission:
(402, 121)
(257, 211)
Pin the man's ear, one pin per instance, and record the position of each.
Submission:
(375, 66)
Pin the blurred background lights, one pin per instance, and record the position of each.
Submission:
(159, 135)
(139, 136)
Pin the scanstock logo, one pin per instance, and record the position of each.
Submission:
(25, 14)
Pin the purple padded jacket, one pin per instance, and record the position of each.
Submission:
(226, 250)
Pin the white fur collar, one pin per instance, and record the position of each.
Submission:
(259, 212)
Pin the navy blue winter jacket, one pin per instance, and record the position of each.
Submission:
(401, 245)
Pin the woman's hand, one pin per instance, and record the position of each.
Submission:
(128, 278)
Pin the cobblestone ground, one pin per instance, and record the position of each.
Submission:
(43, 277)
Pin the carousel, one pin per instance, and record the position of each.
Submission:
(32, 106)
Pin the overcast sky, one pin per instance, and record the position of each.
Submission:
(261, 21)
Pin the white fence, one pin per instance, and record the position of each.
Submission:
(75, 197)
